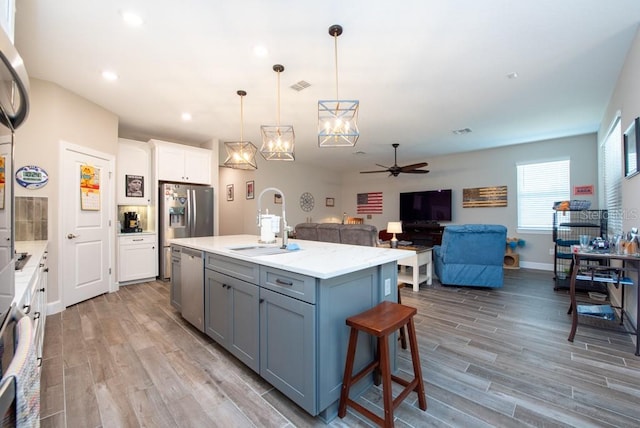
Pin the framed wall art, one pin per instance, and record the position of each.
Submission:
(250, 189)
(229, 192)
(330, 202)
(135, 186)
(631, 140)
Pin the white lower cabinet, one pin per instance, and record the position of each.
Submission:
(34, 303)
(137, 258)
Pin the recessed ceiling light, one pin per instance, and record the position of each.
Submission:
(260, 51)
(131, 19)
(109, 75)
(512, 75)
(186, 116)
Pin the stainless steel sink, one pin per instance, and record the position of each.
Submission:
(257, 250)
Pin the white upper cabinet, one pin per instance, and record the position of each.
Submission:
(133, 181)
(183, 164)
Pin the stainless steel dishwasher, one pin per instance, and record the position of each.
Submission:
(192, 284)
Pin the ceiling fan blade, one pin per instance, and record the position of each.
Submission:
(413, 166)
(395, 170)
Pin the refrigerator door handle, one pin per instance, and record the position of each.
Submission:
(194, 211)
(189, 213)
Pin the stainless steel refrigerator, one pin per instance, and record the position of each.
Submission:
(186, 211)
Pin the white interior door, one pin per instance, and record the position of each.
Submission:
(85, 225)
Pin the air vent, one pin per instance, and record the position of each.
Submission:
(462, 131)
(300, 85)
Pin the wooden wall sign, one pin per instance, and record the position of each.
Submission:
(480, 197)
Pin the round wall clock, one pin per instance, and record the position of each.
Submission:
(306, 201)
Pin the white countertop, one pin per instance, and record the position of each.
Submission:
(145, 232)
(25, 276)
(318, 259)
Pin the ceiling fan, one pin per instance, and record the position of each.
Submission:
(395, 169)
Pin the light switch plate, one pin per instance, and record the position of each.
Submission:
(387, 287)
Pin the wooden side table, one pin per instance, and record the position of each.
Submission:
(423, 257)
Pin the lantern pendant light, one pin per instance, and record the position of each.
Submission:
(337, 119)
(278, 141)
(241, 154)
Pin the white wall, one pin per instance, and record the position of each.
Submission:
(293, 179)
(57, 114)
(626, 100)
(494, 167)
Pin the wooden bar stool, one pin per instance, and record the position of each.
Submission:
(382, 321)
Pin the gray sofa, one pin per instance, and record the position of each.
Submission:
(354, 234)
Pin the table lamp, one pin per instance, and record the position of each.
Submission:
(394, 227)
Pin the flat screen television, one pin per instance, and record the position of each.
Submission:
(428, 206)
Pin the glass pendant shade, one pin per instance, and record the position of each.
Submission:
(241, 154)
(337, 119)
(278, 141)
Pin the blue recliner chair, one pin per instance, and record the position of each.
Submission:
(471, 255)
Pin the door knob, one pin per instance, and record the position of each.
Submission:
(71, 236)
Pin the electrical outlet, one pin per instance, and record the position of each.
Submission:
(387, 287)
(551, 251)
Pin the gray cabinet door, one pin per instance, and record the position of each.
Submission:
(216, 296)
(244, 324)
(288, 347)
(232, 316)
(176, 289)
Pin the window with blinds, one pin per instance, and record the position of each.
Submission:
(611, 173)
(539, 186)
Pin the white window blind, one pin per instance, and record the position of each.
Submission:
(611, 173)
(539, 186)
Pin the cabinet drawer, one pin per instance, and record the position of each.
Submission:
(137, 239)
(240, 269)
(289, 283)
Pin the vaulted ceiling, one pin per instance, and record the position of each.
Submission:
(510, 71)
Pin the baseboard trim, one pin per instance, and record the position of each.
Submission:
(537, 266)
(55, 307)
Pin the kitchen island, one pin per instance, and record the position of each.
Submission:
(283, 314)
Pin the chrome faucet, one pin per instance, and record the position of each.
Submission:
(285, 231)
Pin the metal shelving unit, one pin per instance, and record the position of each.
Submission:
(567, 227)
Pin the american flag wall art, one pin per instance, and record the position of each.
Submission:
(369, 203)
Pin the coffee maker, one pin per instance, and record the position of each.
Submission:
(131, 223)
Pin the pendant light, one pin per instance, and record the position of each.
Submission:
(241, 154)
(278, 141)
(337, 119)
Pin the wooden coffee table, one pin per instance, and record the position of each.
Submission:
(422, 257)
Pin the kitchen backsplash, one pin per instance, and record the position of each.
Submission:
(32, 216)
(142, 214)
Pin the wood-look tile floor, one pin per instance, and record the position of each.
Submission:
(489, 358)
